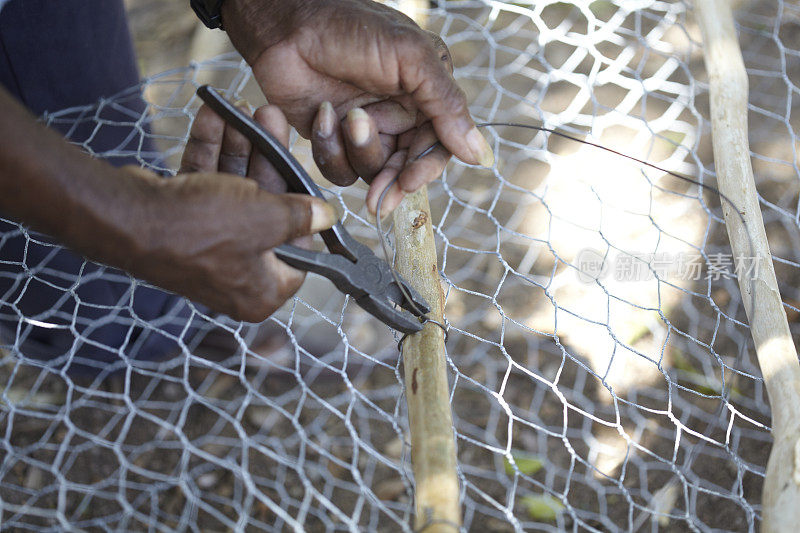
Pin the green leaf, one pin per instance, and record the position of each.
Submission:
(526, 463)
(543, 507)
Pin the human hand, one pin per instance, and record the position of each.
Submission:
(208, 231)
(359, 54)
(205, 234)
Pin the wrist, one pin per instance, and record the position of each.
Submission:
(54, 188)
(255, 25)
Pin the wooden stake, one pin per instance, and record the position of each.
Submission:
(776, 352)
(433, 452)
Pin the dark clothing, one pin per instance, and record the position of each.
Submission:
(55, 306)
(63, 53)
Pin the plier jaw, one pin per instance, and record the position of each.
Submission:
(352, 267)
(368, 279)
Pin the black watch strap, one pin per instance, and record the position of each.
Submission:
(208, 11)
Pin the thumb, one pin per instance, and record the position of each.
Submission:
(424, 75)
(282, 217)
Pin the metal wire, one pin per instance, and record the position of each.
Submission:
(428, 150)
(591, 389)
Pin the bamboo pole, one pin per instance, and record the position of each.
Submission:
(775, 350)
(433, 451)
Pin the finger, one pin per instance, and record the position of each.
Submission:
(393, 116)
(284, 280)
(260, 169)
(235, 153)
(424, 75)
(328, 148)
(441, 49)
(287, 278)
(383, 180)
(364, 149)
(283, 217)
(400, 113)
(270, 282)
(205, 140)
(419, 171)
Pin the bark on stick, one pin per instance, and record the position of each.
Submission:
(433, 453)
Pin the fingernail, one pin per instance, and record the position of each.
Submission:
(323, 215)
(359, 126)
(480, 149)
(326, 119)
(243, 104)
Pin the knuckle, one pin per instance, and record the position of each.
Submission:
(299, 216)
(455, 94)
(454, 98)
(406, 34)
(283, 217)
(439, 44)
(412, 43)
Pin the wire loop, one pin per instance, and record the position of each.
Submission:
(431, 521)
(426, 320)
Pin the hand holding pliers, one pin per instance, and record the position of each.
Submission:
(352, 267)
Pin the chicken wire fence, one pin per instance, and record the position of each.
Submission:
(602, 373)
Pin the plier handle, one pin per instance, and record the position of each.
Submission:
(351, 265)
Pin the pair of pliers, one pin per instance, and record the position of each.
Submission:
(352, 267)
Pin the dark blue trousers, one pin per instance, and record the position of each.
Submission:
(54, 306)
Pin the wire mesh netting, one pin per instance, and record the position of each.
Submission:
(602, 373)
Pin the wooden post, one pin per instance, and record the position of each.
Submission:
(776, 352)
(433, 453)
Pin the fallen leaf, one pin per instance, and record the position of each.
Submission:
(543, 507)
(526, 463)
